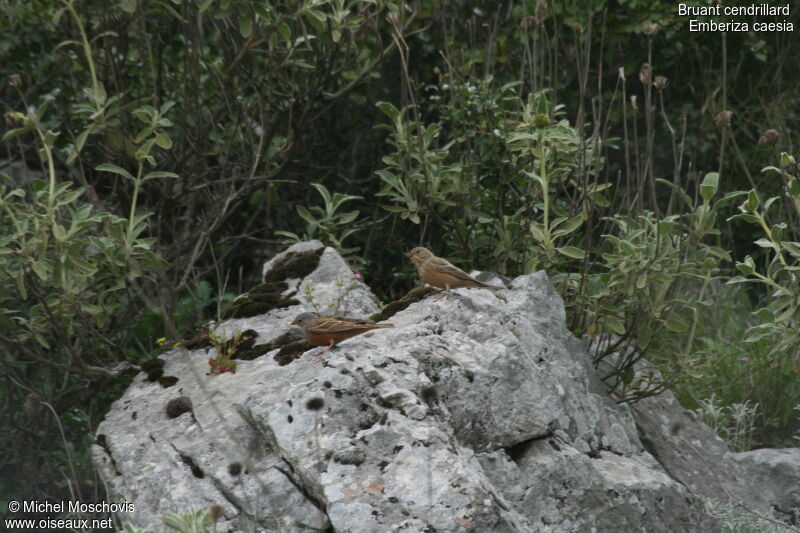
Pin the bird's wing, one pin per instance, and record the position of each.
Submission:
(445, 267)
(333, 325)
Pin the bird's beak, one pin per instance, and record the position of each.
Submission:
(295, 323)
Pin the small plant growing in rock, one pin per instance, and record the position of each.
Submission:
(735, 423)
(333, 307)
(226, 350)
(325, 224)
(194, 521)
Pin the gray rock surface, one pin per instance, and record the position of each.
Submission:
(471, 414)
(774, 474)
(693, 454)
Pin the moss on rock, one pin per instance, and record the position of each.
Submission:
(392, 308)
(291, 351)
(267, 296)
(294, 265)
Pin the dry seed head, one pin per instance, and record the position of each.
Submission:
(622, 73)
(633, 102)
(12, 120)
(660, 82)
(723, 119)
(645, 74)
(769, 137)
(650, 28)
(15, 80)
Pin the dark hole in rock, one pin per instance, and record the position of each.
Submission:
(196, 470)
(235, 469)
(167, 381)
(177, 406)
(518, 451)
(290, 419)
(315, 404)
(429, 394)
(154, 374)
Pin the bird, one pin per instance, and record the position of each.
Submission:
(443, 274)
(329, 331)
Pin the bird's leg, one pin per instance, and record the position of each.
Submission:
(444, 292)
(326, 350)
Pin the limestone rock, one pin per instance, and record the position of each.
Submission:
(774, 474)
(471, 414)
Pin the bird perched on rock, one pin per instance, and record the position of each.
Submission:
(443, 274)
(326, 331)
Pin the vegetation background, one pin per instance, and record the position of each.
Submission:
(156, 152)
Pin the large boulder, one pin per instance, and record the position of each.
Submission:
(775, 474)
(473, 413)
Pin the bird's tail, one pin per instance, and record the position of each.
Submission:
(491, 287)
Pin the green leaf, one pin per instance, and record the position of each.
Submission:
(572, 251)
(245, 25)
(744, 216)
(305, 214)
(765, 314)
(627, 375)
(764, 243)
(59, 233)
(388, 109)
(537, 230)
(323, 191)
(164, 141)
(128, 6)
(788, 313)
(709, 186)
(346, 218)
(40, 269)
(615, 325)
(10, 134)
(569, 226)
(752, 200)
(676, 325)
(159, 174)
(108, 167)
(21, 284)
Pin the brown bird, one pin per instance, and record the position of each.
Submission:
(326, 331)
(443, 274)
